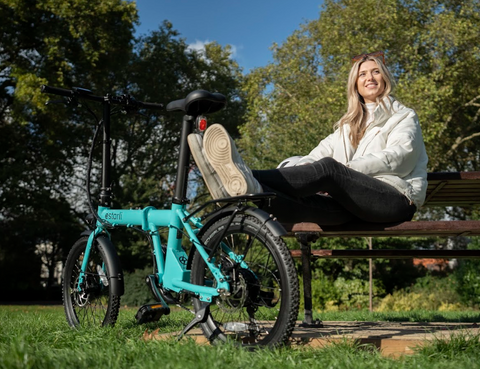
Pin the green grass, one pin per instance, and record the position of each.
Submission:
(471, 316)
(39, 337)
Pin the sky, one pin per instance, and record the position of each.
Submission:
(250, 27)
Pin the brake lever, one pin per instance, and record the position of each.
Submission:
(130, 106)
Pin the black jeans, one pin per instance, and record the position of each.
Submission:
(351, 195)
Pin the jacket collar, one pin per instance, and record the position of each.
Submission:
(383, 111)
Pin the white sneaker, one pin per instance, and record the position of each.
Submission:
(221, 152)
(214, 185)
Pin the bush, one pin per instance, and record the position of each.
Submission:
(323, 291)
(467, 276)
(137, 292)
(468, 282)
(341, 293)
(428, 293)
(354, 293)
(409, 301)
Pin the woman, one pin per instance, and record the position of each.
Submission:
(373, 167)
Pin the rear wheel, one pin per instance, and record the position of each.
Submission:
(263, 304)
(90, 302)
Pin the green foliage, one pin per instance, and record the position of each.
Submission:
(137, 292)
(89, 44)
(385, 272)
(398, 285)
(66, 43)
(324, 292)
(467, 277)
(429, 293)
(330, 294)
(431, 48)
(354, 293)
(469, 282)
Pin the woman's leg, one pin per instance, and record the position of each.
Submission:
(365, 197)
(318, 209)
(362, 196)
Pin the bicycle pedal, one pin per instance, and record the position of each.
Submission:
(151, 313)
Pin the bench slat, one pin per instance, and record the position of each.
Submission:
(453, 193)
(364, 229)
(463, 203)
(391, 254)
(453, 185)
(453, 189)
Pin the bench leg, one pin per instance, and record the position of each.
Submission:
(305, 239)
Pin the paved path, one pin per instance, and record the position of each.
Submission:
(391, 338)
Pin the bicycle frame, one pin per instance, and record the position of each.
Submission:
(172, 269)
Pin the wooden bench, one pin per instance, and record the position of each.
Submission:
(444, 189)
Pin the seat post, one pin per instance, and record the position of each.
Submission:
(106, 190)
(183, 161)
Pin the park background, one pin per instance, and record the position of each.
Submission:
(276, 110)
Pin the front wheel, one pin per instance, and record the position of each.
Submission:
(263, 304)
(89, 300)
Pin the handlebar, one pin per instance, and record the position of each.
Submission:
(82, 93)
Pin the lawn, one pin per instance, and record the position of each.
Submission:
(39, 337)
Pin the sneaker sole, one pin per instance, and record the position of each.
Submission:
(218, 149)
(214, 186)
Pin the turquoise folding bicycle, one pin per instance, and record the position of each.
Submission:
(239, 272)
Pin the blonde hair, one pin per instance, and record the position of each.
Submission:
(356, 115)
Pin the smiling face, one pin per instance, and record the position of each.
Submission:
(370, 82)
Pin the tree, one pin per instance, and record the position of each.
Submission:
(62, 43)
(44, 152)
(431, 48)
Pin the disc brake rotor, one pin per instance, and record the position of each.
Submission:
(236, 300)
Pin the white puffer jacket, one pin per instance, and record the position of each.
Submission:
(392, 150)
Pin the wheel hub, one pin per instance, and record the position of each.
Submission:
(244, 291)
(89, 288)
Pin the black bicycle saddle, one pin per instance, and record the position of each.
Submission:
(199, 102)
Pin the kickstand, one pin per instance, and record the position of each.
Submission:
(200, 317)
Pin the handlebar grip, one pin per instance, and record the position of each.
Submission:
(56, 91)
(152, 106)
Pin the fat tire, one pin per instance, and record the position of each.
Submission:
(286, 309)
(100, 306)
